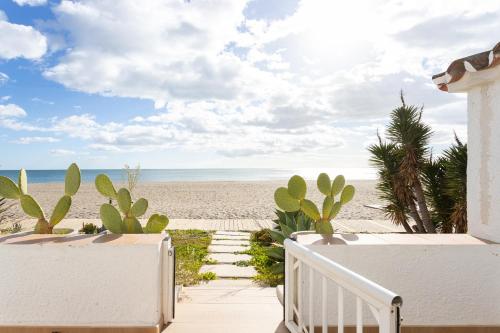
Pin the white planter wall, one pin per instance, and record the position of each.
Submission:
(449, 284)
(80, 280)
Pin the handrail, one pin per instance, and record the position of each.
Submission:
(343, 276)
(299, 259)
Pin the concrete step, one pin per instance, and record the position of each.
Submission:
(232, 233)
(225, 284)
(230, 242)
(229, 271)
(230, 237)
(228, 258)
(227, 248)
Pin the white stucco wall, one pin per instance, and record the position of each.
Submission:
(483, 169)
(441, 284)
(82, 280)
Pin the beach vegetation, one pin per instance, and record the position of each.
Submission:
(293, 199)
(7, 217)
(208, 276)
(125, 219)
(10, 190)
(90, 229)
(417, 186)
(269, 271)
(132, 176)
(191, 251)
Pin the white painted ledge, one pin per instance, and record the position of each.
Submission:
(85, 280)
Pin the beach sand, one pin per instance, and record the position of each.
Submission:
(206, 200)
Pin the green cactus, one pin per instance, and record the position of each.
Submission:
(127, 221)
(293, 198)
(8, 189)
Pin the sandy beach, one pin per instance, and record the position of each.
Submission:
(205, 200)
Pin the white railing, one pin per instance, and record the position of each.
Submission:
(302, 265)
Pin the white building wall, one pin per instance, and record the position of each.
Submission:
(483, 169)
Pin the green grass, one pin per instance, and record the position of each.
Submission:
(191, 247)
(263, 265)
(207, 276)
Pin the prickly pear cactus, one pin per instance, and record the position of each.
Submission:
(124, 220)
(293, 199)
(8, 189)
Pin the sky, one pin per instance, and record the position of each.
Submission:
(228, 83)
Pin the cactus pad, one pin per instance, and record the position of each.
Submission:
(132, 225)
(324, 184)
(347, 194)
(42, 227)
(285, 201)
(111, 219)
(156, 224)
(327, 207)
(338, 185)
(23, 182)
(335, 209)
(72, 180)
(324, 227)
(60, 210)
(105, 186)
(139, 207)
(310, 209)
(124, 200)
(8, 189)
(31, 207)
(297, 187)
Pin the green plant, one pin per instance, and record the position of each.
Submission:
(89, 229)
(132, 175)
(430, 191)
(208, 276)
(9, 189)
(293, 198)
(267, 271)
(127, 222)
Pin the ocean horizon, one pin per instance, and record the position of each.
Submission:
(209, 174)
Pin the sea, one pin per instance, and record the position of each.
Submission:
(180, 175)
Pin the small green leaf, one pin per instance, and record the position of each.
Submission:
(285, 201)
(277, 268)
(277, 236)
(338, 184)
(23, 182)
(156, 224)
(276, 252)
(290, 222)
(111, 219)
(310, 209)
(302, 224)
(139, 208)
(324, 184)
(104, 185)
(72, 180)
(124, 200)
(297, 187)
(31, 207)
(347, 194)
(287, 231)
(60, 210)
(8, 189)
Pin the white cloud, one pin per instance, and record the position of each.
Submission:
(43, 101)
(11, 111)
(3, 78)
(62, 152)
(30, 2)
(18, 40)
(35, 139)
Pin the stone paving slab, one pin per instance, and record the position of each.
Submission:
(230, 242)
(232, 233)
(227, 248)
(226, 284)
(228, 258)
(230, 237)
(229, 271)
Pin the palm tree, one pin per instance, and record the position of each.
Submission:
(411, 135)
(456, 183)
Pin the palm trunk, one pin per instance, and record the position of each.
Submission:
(416, 217)
(407, 227)
(422, 206)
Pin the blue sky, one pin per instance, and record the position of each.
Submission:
(229, 83)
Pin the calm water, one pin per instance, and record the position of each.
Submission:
(164, 175)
